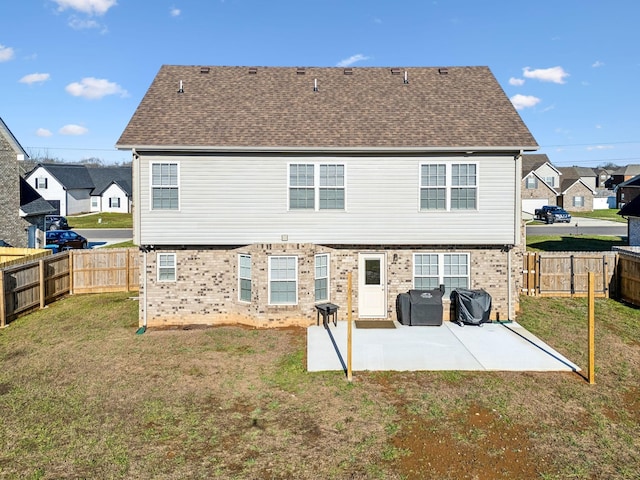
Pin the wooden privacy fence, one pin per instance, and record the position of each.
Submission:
(34, 283)
(629, 274)
(560, 274)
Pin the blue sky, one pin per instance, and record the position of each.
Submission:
(72, 72)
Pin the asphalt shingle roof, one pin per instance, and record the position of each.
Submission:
(103, 177)
(533, 161)
(31, 203)
(353, 108)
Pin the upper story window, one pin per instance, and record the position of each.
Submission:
(449, 186)
(531, 183)
(41, 183)
(164, 186)
(551, 181)
(167, 267)
(316, 186)
(244, 277)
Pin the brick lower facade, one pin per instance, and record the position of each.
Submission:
(206, 289)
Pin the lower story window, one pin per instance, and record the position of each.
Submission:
(433, 269)
(283, 280)
(578, 201)
(322, 277)
(114, 202)
(166, 267)
(244, 276)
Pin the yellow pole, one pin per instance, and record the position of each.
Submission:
(591, 375)
(349, 328)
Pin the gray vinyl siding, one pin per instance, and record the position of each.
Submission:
(243, 200)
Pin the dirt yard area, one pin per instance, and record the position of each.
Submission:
(82, 396)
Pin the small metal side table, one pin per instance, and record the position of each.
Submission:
(328, 311)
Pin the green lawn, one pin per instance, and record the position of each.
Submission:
(101, 220)
(83, 396)
(610, 214)
(573, 243)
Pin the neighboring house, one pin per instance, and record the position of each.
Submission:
(602, 176)
(21, 210)
(627, 191)
(74, 189)
(576, 191)
(604, 199)
(539, 177)
(259, 190)
(631, 211)
(622, 174)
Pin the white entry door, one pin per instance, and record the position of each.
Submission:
(372, 285)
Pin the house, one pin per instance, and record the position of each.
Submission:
(577, 191)
(631, 211)
(22, 210)
(627, 191)
(74, 188)
(539, 179)
(622, 174)
(602, 175)
(259, 190)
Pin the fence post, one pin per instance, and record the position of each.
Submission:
(591, 332)
(42, 289)
(70, 262)
(3, 313)
(349, 329)
(127, 260)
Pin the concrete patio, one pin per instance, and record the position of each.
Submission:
(494, 346)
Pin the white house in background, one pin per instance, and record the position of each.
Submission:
(72, 189)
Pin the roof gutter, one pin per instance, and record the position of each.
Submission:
(470, 149)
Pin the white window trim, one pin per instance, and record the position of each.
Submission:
(441, 275)
(45, 182)
(532, 179)
(240, 277)
(448, 186)
(174, 267)
(578, 204)
(328, 277)
(151, 186)
(111, 202)
(295, 279)
(316, 186)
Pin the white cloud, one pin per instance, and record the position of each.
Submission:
(516, 81)
(597, 64)
(6, 53)
(43, 132)
(95, 88)
(90, 7)
(175, 12)
(351, 60)
(73, 130)
(553, 74)
(600, 147)
(35, 78)
(524, 101)
(81, 24)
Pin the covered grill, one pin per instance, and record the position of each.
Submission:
(420, 307)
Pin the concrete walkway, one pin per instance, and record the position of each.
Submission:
(494, 346)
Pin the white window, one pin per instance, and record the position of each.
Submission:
(94, 202)
(322, 277)
(578, 201)
(431, 270)
(551, 181)
(532, 182)
(164, 186)
(244, 277)
(316, 186)
(283, 280)
(449, 186)
(114, 202)
(41, 182)
(166, 267)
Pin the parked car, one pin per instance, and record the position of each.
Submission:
(552, 214)
(5, 244)
(56, 222)
(66, 239)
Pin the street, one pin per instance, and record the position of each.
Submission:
(99, 237)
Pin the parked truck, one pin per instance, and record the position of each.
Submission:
(552, 214)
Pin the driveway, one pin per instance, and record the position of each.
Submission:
(494, 346)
